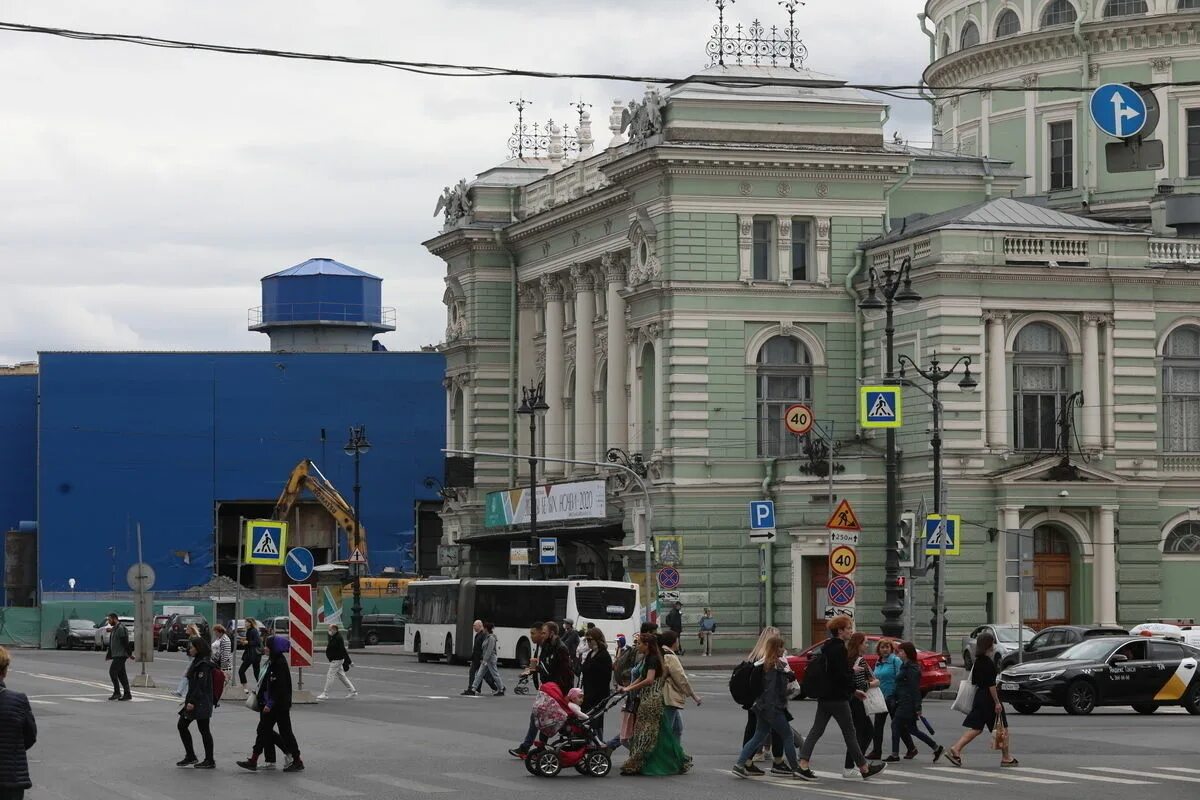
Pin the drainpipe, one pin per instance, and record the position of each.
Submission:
(512, 354)
(1085, 194)
(921, 90)
(988, 178)
(766, 557)
(887, 196)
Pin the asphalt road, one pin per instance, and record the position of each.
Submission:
(409, 734)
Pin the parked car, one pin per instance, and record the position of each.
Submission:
(103, 632)
(935, 672)
(1058, 639)
(72, 633)
(174, 631)
(1145, 672)
(159, 621)
(378, 628)
(272, 625)
(1008, 638)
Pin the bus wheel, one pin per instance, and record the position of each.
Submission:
(523, 653)
(421, 657)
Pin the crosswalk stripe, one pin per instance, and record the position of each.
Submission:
(401, 783)
(877, 780)
(1184, 769)
(488, 781)
(925, 776)
(86, 699)
(1079, 777)
(999, 773)
(43, 702)
(1156, 775)
(324, 789)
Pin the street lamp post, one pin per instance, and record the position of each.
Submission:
(533, 405)
(896, 287)
(356, 446)
(935, 374)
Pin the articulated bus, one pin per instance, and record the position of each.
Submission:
(443, 610)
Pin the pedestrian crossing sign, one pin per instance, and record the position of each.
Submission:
(266, 542)
(943, 535)
(879, 406)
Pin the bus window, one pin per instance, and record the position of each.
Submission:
(435, 605)
(605, 602)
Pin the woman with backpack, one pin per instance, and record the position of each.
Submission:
(986, 710)
(908, 707)
(771, 679)
(887, 668)
(742, 688)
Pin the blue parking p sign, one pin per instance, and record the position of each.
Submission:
(762, 515)
(1118, 110)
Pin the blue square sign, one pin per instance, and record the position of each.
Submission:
(879, 407)
(762, 515)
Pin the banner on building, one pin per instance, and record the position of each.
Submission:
(557, 502)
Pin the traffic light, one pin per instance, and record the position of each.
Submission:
(901, 586)
(904, 538)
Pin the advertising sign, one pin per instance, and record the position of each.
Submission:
(557, 502)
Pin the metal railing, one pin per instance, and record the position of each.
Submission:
(322, 311)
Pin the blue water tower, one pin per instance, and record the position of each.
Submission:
(322, 306)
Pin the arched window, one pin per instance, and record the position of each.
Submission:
(1181, 390)
(1040, 365)
(1008, 23)
(1124, 8)
(1058, 12)
(457, 418)
(945, 44)
(784, 375)
(647, 400)
(969, 36)
(1184, 539)
(1188, 5)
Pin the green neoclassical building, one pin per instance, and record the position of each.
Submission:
(675, 287)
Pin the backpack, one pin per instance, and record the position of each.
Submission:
(816, 677)
(745, 684)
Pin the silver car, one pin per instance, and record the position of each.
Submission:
(104, 632)
(1006, 641)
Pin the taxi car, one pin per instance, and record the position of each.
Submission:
(1143, 672)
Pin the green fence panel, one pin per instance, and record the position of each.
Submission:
(56, 612)
(20, 627)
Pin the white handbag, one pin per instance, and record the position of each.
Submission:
(875, 703)
(965, 698)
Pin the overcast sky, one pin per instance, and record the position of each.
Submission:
(146, 191)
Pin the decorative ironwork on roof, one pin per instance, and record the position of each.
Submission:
(757, 45)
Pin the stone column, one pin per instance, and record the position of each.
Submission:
(617, 421)
(526, 331)
(745, 247)
(1031, 130)
(1104, 568)
(585, 362)
(1091, 381)
(633, 397)
(985, 123)
(448, 385)
(555, 419)
(1110, 388)
(996, 380)
(1008, 604)
(783, 249)
(821, 234)
(653, 330)
(468, 413)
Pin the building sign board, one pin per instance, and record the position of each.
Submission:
(557, 502)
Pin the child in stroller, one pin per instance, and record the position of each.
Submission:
(567, 736)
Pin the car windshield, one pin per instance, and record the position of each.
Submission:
(81, 624)
(1093, 650)
(1014, 634)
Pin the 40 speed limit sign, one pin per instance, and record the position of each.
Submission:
(798, 419)
(843, 560)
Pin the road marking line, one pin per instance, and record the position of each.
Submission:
(433, 697)
(808, 786)
(998, 774)
(1183, 769)
(43, 702)
(483, 780)
(86, 699)
(1077, 776)
(401, 783)
(1156, 775)
(324, 789)
(877, 780)
(925, 776)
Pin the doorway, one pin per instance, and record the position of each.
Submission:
(1050, 603)
(817, 568)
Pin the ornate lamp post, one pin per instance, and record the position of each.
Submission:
(895, 286)
(356, 446)
(533, 405)
(935, 374)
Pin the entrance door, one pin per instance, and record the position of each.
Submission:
(818, 584)
(1050, 603)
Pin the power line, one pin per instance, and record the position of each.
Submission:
(484, 71)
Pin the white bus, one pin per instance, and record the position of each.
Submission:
(442, 611)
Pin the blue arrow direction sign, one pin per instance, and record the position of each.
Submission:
(1118, 110)
(299, 564)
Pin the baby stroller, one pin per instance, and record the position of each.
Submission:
(522, 686)
(566, 741)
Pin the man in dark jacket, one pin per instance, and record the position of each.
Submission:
(675, 623)
(339, 660)
(18, 732)
(118, 654)
(555, 662)
(834, 700)
(570, 639)
(476, 657)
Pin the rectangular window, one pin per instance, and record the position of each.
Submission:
(1193, 142)
(1037, 403)
(800, 239)
(1181, 408)
(1062, 155)
(775, 394)
(763, 242)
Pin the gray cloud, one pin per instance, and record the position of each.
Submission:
(147, 191)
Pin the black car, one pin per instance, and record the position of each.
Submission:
(1137, 671)
(378, 628)
(174, 631)
(72, 633)
(1057, 639)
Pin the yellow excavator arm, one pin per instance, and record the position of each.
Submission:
(307, 476)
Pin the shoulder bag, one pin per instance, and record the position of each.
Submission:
(965, 698)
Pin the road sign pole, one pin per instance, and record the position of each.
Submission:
(762, 585)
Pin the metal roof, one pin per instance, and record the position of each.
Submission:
(1004, 212)
(322, 266)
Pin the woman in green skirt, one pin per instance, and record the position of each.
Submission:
(654, 747)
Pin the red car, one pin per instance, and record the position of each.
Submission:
(159, 621)
(935, 672)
